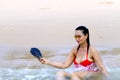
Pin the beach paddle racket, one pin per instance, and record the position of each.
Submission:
(36, 52)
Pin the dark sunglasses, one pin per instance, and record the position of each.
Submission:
(77, 36)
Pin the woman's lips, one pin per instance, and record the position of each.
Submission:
(78, 41)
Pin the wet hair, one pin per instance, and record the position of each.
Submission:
(84, 31)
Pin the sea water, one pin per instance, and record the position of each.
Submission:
(19, 64)
(41, 74)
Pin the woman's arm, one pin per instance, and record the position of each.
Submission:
(66, 64)
(98, 61)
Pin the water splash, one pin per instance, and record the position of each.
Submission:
(41, 74)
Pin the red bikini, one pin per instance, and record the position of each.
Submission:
(86, 65)
(85, 62)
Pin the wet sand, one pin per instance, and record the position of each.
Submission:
(23, 59)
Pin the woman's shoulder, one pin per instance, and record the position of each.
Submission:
(92, 49)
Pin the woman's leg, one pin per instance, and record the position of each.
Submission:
(78, 75)
(74, 76)
(89, 75)
(61, 75)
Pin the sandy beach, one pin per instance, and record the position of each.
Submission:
(52, 23)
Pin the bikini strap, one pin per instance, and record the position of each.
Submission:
(87, 54)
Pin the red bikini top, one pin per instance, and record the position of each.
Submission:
(85, 63)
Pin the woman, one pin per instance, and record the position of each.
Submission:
(85, 58)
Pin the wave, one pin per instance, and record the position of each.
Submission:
(42, 74)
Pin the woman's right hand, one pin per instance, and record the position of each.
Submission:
(43, 61)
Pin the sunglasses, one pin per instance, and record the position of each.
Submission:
(77, 36)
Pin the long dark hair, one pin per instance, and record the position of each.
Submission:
(85, 31)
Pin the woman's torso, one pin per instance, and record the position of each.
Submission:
(84, 59)
(83, 55)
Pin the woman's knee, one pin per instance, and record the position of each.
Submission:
(75, 76)
(79, 74)
(61, 75)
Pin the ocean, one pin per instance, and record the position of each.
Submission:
(19, 64)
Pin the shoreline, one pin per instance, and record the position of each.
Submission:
(21, 57)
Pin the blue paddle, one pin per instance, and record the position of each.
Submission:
(36, 52)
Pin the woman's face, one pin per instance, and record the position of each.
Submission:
(80, 37)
